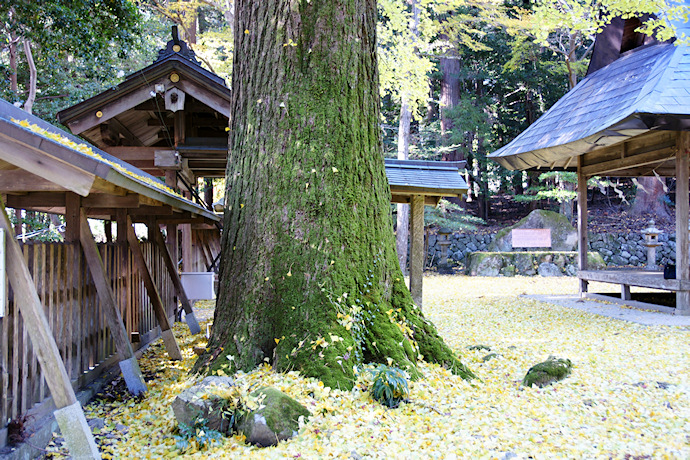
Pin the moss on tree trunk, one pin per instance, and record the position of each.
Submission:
(309, 276)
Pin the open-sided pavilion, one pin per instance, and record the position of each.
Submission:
(629, 117)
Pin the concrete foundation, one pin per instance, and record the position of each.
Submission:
(132, 375)
(76, 432)
(171, 345)
(193, 324)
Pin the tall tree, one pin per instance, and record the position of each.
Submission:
(309, 277)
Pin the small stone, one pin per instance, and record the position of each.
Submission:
(547, 372)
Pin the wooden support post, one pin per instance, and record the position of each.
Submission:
(72, 206)
(128, 365)
(168, 338)
(625, 292)
(157, 236)
(682, 211)
(69, 414)
(173, 248)
(581, 223)
(416, 248)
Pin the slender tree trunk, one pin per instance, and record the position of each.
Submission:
(309, 277)
(450, 97)
(14, 86)
(402, 234)
(33, 77)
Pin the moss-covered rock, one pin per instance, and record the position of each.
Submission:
(563, 235)
(201, 403)
(546, 263)
(276, 420)
(547, 372)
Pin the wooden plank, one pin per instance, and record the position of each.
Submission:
(130, 154)
(101, 200)
(640, 278)
(171, 267)
(205, 96)
(416, 248)
(20, 180)
(582, 220)
(35, 321)
(158, 307)
(72, 210)
(682, 211)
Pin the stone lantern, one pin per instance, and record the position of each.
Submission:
(651, 241)
(444, 241)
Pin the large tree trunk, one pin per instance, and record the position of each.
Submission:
(648, 198)
(309, 277)
(450, 97)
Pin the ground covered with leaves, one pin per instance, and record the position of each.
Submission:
(628, 395)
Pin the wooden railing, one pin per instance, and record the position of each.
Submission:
(77, 321)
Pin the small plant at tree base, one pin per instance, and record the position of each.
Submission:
(202, 434)
(389, 385)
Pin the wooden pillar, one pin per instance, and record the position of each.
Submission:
(72, 207)
(682, 234)
(69, 413)
(581, 224)
(171, 266)
(125, 272)
(173, 248)
(186, 243)
(159, 310)
(416, 248)
(128, 363)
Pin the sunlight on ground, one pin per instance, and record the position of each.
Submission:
(628, 395)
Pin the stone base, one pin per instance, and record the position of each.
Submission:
(193, 324)
(76, 432)
(132, 375)
(544, 263)
(171, 345)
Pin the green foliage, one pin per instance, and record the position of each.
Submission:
(451, 216)
(199, 432)
(389, 386)
(547, 372)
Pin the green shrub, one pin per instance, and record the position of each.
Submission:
(389, 386)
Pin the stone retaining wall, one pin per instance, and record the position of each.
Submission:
(616, 248)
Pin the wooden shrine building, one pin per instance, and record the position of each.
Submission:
(76, 308)
(629, 117)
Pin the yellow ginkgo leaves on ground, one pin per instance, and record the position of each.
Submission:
(627, 397)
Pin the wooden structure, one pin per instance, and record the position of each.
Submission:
(169, 119)
(419, 183)
(73, 308)
(629, 117)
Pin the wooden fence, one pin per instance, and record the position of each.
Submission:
(76, 318)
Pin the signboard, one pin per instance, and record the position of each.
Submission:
(531, 237)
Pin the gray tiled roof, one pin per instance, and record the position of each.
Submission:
(644, 89)
(442, 177)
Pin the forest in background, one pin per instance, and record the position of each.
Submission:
(459, 78)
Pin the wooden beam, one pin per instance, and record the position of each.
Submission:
(37, 199)
(122, 130)
(581, 224)
(416, 248)
(171, 266)
(72, 212)
(205, 96)
(23, 181)
(101, 200)
(133, 153)
(44, 165)
(115, 107)
(69, 415)
(682, 211)
(130, 371)
(653, 156)
(405, 199)
(168, 338)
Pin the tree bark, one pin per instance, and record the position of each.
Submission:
(450, 97)
(309, 278)
(648, 198)
(402, 234)
(33, 77)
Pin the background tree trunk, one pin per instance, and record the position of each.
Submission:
(450, 97)
(402, 234)
(309, 277)
(648, 198)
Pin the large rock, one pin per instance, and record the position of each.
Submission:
(563, 235)
(549, 269)
(547, 372)
(276, 420)
(201, 401)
